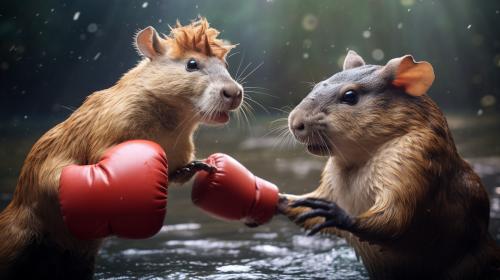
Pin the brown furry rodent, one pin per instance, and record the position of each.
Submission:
(394, 185)
(181, 82)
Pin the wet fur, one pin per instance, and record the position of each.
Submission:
(152, 101)
(419, 210)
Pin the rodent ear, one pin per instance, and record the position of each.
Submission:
(149, 43)
(414, 77)
(353, 60)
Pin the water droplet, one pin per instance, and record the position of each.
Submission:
(76, 16)
(488, 100)
(307, 44)
(378, 54)
(407, 3)
(145, 5)
(92, 28)
(310, 22)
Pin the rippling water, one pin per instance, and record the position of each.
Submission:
(193, 245)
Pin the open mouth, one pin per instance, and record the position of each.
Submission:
(318, 149)
(220, 117)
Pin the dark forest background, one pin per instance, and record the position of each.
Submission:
(54, 53)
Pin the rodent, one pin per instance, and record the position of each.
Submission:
(181, 82)
(394, 185)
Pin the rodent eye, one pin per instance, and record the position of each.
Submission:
(350, 97)
(192, 65)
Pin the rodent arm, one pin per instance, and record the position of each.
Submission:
(377, 225)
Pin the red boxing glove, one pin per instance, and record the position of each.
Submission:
(234, 193)
(125, 194)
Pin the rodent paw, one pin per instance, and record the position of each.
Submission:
(334, 215)
(185, 173)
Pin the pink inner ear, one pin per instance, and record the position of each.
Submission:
(415, 77)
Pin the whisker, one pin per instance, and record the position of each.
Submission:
(251, 72)
(239, 66)
(257, 103)
(243, 73)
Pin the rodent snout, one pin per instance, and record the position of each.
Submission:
(299, 127)
(232, 95)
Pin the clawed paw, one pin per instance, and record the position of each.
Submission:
(187, 172)
(334, 215)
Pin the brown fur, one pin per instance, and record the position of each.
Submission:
(155, 101)
(418, 209)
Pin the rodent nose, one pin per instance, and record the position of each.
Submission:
(232, 96)
(299, 128)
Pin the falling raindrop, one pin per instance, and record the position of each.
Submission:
(76, 16)
(92, 28)
(400, 25)
(305, 55)
(407, 3)
(469, 26)
(367, 34)
(480, 112)
(307, 44)
(378, 54)
(488, 100)
(310, 22)
(97, 55)
(145, 5)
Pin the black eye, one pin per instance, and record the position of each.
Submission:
(192, 65)
(350, 97)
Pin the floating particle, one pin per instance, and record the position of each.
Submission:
(97, 55)
(25, 117)
(496, 60)
(378, 54)
(469, 26)
(92, 28)
(407, 3)
(306, 44)
(305, 55)
(400, 25)
(287, 43)
(145, 5)
(488, 100)
(310, 22)
(367, 34)
(480, 112)
(76, 16)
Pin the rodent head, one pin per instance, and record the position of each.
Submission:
(188, 68)
(363, 106)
